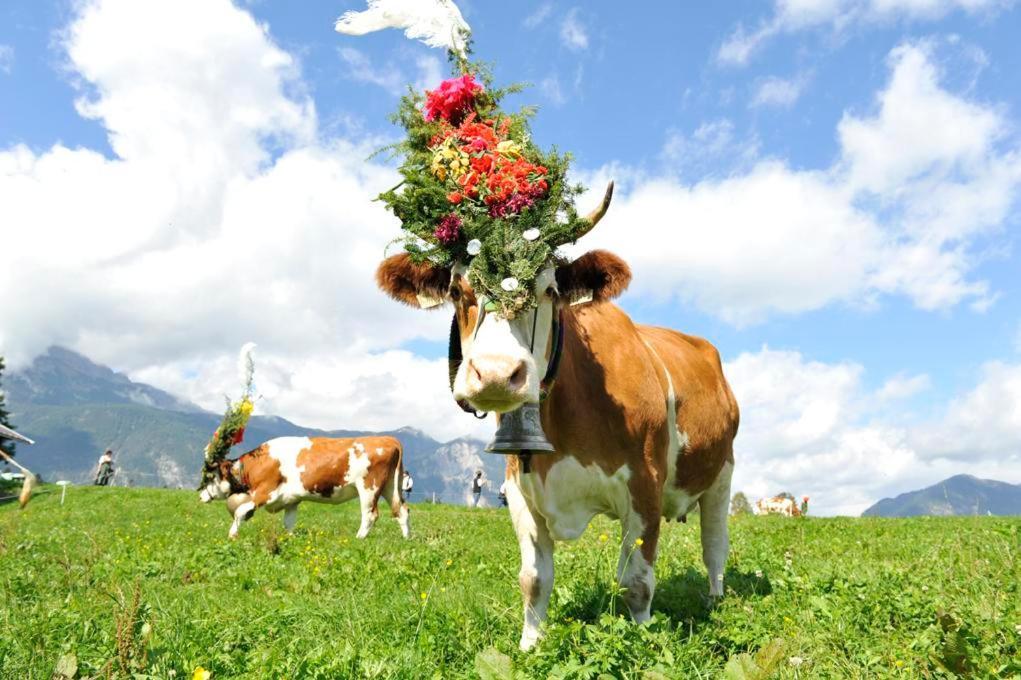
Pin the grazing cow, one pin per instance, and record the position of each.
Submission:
(285, 471)
(777, 505)
(642, 418)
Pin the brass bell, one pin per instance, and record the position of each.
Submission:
(520, 431)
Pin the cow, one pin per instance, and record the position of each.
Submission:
(641, 418)
(285, 471)
(777, 505)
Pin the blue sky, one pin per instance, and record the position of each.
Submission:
(826, 189)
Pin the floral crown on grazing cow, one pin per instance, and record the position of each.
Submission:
(232, 428)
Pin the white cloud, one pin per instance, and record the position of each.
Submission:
(778, 92)
(6, 58)
(790, 16)
(916, 185)
(811, 428)
(902, 387)
(982, 423)
(224, 216)
(551, 88)
(541, 13)
(573, 32)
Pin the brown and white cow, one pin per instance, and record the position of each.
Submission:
(777, 505)
(642, 418)
(285, 471)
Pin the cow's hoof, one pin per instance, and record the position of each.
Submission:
(529, 640)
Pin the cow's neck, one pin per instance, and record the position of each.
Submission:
(584, 413)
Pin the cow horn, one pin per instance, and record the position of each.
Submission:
(592, 219)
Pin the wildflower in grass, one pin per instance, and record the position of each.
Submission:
(758, 573)
(796, 661)
(898, 663)
(425, 596)
(603, 538)
(450, 562)
(201, 674)
(638, 542)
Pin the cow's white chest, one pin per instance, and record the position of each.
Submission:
(285, 450)
(572, 494)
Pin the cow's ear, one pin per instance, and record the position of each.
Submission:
(598, 273)
(415, 284)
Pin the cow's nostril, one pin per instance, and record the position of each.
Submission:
(518, 377)
(473, 372)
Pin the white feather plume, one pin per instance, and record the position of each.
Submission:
(437, 23)
(246, 365)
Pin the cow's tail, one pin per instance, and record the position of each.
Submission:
(397, 493)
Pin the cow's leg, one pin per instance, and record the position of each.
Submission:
(368, 498)
(639, 540)
(398, 508)
(714, 506)
(536, 575)
(244, 511)
(290, 517)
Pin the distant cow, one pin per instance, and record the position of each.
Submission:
(285, 471)
(778, 505)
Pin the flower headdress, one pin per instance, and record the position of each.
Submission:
(476, 189)
(232, 428)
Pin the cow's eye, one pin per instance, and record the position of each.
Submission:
(455, 293)
(551, 292)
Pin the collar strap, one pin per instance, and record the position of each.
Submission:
(553, 367)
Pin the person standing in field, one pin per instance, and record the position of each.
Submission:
(503, 495)
(407, 484)
(804, 505)
(104, 472)
(477, 484)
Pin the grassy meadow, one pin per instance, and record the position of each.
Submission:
(143, 583)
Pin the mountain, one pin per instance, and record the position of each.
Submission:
(75, 408)
(958, 495)
(64, 378)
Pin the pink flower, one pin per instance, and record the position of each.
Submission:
(448, 230)
(452, 99)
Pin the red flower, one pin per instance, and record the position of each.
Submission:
(452, 100)
(238, 436)
(448, 230)
(455, 197)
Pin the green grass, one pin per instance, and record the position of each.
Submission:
(145, 580)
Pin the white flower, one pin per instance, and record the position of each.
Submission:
(474, 246)
(509, 284)
(758, 573)
(561, 217)
(796, 661)
(530, 234)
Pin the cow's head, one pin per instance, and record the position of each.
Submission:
(215, 481)
(504, 360)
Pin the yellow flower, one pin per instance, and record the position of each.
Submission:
(246, 407)
(425, 595)
(201, 674)
(638, 542)
(450, 562)
(899, 663)
(509, 148)
(603, 538)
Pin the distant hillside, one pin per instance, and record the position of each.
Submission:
(959, 495)
(75, 409)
